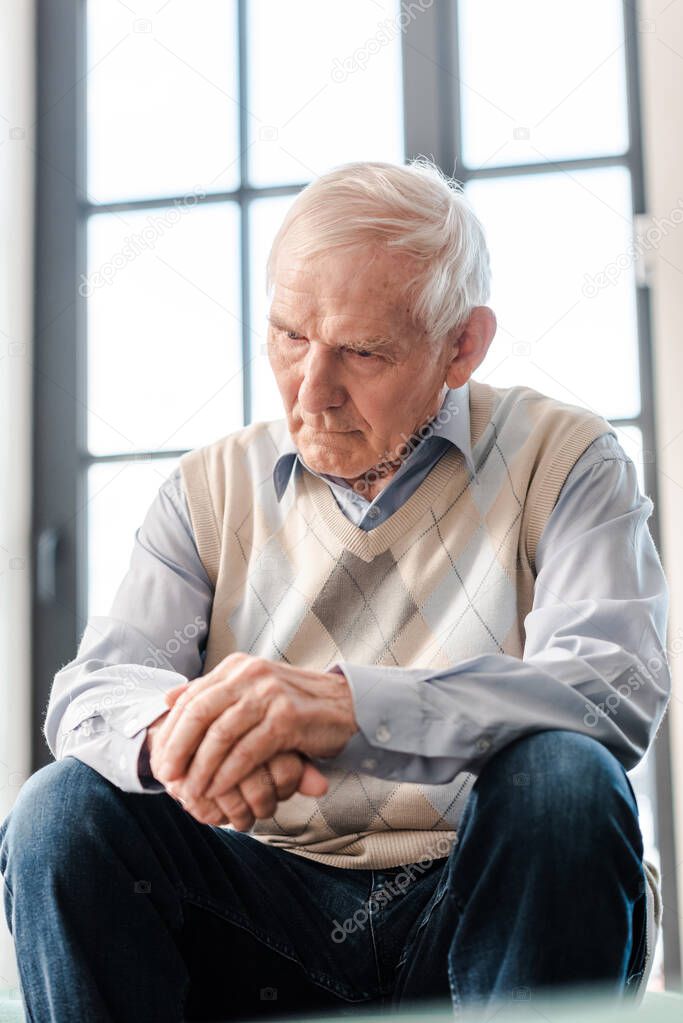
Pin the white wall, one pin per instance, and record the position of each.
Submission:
(661, 39)
(17, 74)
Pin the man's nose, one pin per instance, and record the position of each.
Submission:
(320, 387)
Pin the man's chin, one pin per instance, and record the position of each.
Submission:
(326, 456)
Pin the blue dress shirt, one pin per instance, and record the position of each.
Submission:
(597, 626)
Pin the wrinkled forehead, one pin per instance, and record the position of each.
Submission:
(359, 285)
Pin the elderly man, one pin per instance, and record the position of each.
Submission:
(384, 662)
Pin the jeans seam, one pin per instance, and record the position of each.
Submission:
(322, 979)
(438, 897)
(384, 987)
(641, 952)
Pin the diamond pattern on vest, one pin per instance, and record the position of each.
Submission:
(364, 604)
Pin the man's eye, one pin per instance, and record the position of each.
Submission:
(363, 353)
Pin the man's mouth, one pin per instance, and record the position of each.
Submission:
(319, 430)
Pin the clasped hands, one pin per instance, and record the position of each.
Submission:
(235, 741)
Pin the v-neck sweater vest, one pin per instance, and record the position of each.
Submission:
(450, 574)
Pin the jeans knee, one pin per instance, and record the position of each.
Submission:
(50, 810)
(559, 773)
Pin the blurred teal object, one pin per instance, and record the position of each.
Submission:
(656, 1007)
(11, 1008)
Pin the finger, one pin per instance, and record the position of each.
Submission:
(206, 811)
(258, 792)
(214, 743)
(271, 783)
(171, 695)
(256, 747)
(286, 770)
(163, 729)
(313, 782)
(194, 717)
(236, 671)
(236, 810)
(174, 713)
(194, 687)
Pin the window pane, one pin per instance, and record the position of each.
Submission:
(164, 327)
(162, 98)
(119, 495)
(631, 440)
(562, 329)
(265, 217)
(325, 86)
(541, 81)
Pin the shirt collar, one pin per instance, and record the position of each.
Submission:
(451, 422)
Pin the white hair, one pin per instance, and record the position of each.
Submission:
(415, 209)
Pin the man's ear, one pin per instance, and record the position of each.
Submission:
(469, 345)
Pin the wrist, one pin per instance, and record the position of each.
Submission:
(343, 694)
(144, 767)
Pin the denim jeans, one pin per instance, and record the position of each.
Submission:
(123, 907)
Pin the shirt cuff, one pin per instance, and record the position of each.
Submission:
(128, 760)
(145, 777)
(393, 730)
(125, 700)
(110, 754)
(139, 782)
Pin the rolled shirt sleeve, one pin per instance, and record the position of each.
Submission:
(594, 659)
(152, 640)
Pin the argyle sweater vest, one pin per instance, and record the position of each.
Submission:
(447, 576)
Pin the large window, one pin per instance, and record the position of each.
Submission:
(173, 138)
(203, 122)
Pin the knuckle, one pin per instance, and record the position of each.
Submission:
(205, 815)
(288, 771)
(229, 663)
(280, 720)
(235, 657)
(249, 703)
(265, 777)
(271, 733)
(270, 687)
(255, 666)
(261, 804)
(220, 729)
(283, 706)
(232, 804)
(243, 823)
(240, 759)
(292, 776)
(196, 710)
